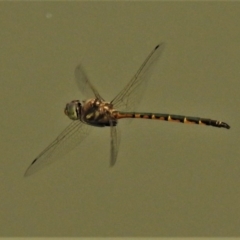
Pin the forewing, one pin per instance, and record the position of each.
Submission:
(115, 142)
(84, 85)
(131, 95)
(65, 142)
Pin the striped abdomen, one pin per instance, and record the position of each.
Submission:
(172, 118)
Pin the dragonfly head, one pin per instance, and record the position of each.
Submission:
(73, 110)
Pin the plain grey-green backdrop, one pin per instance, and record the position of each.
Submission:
(170, 180)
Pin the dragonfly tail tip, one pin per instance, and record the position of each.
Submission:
(225, 125)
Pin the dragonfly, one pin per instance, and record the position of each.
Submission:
(96, 112)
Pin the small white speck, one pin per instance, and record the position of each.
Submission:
(48, 15)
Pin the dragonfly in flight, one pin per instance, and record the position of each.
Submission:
(97, 112)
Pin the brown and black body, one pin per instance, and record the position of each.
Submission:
(171, 118)
(100, 114)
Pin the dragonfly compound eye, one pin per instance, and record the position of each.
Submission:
(72, 110)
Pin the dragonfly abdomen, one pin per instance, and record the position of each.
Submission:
(172, 118)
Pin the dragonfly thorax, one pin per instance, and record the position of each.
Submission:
(97, 113)
(73, 109)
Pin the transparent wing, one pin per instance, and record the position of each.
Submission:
(84, 85)
(115, 142)
(65, 142)
(131, 95)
